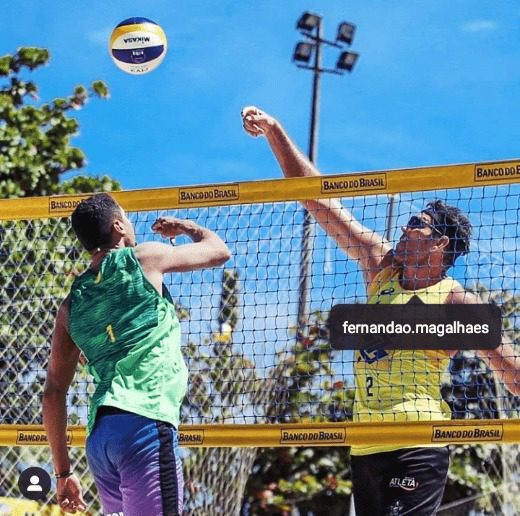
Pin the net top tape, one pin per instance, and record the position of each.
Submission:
(279, 190)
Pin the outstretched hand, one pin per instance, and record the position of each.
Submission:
(256, 122)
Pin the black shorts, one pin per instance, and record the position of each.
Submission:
(408, 481)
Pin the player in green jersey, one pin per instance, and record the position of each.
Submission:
(120, 316)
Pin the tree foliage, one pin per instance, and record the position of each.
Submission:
(35, 138)
(311, 480)
(216, 477)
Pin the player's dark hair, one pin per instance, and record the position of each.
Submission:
(93, 218)
(451, 222)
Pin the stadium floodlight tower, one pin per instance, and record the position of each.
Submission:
(310, 26)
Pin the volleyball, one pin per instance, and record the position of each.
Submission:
(138, 45)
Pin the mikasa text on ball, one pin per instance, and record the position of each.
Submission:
(138, 45)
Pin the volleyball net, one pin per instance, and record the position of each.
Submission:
(262, 369)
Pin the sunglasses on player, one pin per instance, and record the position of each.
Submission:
(416, 222)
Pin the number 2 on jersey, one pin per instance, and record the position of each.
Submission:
(369, 385)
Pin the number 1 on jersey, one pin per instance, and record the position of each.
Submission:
(111, 334)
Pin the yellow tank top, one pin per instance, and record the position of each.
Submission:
(400, 385)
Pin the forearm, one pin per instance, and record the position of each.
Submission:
(197, 233)
(505, 364)
(510, 377)
(291, 159)
(356, 240)
(202, 235)
(209, 239)
(55, 423)
(295, 164)
(193, 230)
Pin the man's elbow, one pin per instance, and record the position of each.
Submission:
(513, 387)
(220, 255)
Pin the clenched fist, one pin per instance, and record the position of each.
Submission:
(256, 122)
(170, 227)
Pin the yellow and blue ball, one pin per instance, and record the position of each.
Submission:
(138, 45)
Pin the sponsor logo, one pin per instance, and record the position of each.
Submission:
(373, 355)
(354, 183)
(36, 437)
(406, 483)
(312, 436)
(496, 171)
(64, 205)
(137, 39)
(191, 437)
(209, 194)
(467, 433)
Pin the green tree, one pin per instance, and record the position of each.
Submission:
(218, 373)
(35, 145)
(312, 480)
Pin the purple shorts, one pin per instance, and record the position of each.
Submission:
(136, 465)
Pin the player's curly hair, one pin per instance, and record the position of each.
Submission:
(93, 218)
(451, 222)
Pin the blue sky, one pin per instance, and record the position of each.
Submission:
(437, 82)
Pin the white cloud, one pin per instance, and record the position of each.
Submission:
(479, 26)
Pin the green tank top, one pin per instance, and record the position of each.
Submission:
(130, 336)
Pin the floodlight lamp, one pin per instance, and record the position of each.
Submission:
(346, 32)
(347, 60)
(308, 22)
(303, 52)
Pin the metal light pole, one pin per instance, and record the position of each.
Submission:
(313, 135)
(307, 24)
(390, 213)
(309, 226)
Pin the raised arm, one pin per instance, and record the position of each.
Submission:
(156, 258)
(359, 242)
(60, 372)
(504, 361)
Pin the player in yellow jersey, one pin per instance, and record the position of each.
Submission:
(400, 385)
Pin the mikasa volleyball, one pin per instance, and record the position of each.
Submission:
(138, 45)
